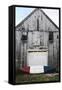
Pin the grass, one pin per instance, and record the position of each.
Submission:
(22, 78)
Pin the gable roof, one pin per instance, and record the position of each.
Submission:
(26, 17)
(32, 13)
(49, 19)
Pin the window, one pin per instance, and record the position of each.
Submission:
(24, 36)
(51, 36)
(37, 24)
(57, 36)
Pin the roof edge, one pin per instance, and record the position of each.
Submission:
(49, 19)
(26, 17)
(32, 13)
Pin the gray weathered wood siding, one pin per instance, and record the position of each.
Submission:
(45, 26)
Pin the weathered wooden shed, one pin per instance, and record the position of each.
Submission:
(37, 36)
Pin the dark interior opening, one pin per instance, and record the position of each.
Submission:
(24, 37)
(51, 37)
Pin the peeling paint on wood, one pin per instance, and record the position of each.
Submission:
(37, 38)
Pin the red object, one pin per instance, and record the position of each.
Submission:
(25, 69)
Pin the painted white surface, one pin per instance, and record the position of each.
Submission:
(36, 69)
(37, 58)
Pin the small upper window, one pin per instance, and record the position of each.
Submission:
(57, 36)
(51, 36)
(38, 24)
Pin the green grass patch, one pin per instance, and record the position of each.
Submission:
(21, 77)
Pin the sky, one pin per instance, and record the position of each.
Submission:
(21, 13)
